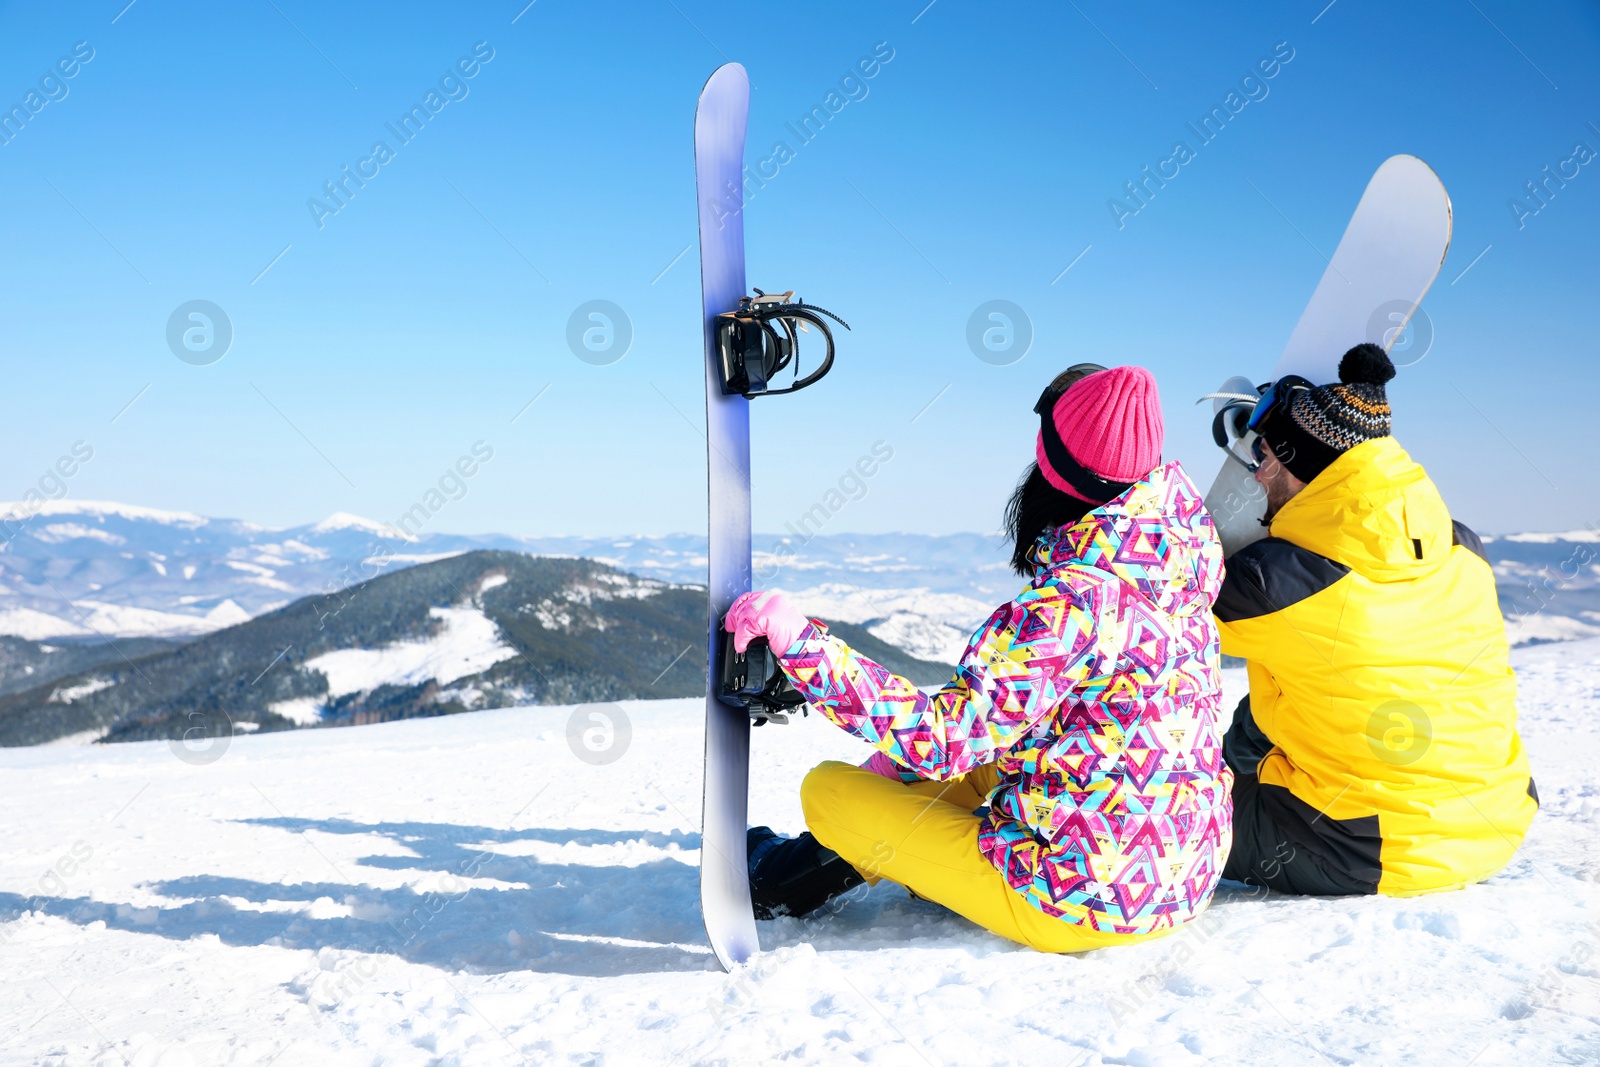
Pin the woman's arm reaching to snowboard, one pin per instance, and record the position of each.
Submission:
(1014, 671)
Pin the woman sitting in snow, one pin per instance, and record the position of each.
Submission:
(1066, 788)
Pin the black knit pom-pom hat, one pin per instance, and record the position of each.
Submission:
(1321, 424)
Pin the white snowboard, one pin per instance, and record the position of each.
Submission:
(1387, 259)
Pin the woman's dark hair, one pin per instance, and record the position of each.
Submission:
(1037, 506)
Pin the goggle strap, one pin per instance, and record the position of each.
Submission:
(1084, 482)
(1276, 394)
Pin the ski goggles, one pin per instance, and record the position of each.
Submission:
(1276, 395)
(1061, 383)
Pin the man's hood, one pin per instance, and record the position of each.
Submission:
(1375, 510)
(1156, 537)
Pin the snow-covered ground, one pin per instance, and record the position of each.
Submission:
(482, 890)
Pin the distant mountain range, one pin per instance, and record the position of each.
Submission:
(84, 570)
(483, 629)
(1549, 584)
(80, 570)
(122, 622)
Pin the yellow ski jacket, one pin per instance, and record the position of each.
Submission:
(1379, 670)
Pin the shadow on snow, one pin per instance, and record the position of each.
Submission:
(566, 918)
(569, 918)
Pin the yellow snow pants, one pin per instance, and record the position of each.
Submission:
(924, 836)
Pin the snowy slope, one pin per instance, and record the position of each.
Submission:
(477, 630)
(467, 642)
(468, 890)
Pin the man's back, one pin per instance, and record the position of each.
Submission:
(1379, 672)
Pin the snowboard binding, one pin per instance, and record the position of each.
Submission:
(753, 680)
(761, 338)
(1230, 425)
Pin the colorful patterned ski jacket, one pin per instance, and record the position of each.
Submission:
(1097, 693)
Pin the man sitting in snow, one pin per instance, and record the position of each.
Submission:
(1377, 751)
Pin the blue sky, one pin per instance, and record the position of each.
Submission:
(370, 353)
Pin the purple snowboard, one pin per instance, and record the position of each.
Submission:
(719, 130)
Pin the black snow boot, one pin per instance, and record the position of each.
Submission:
(794, 875)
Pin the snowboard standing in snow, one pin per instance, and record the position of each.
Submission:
(1387, 259)
(749, 342)
(719, 126)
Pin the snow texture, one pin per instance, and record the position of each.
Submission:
(100, 619)
(15, 511)
(470, 890)
(302, 710)
(467, 642)
(37, 625)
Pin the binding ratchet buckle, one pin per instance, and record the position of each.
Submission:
(761, 338)
(753, 680)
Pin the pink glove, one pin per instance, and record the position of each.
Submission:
(768, 615)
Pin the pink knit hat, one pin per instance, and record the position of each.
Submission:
(1101, 435)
